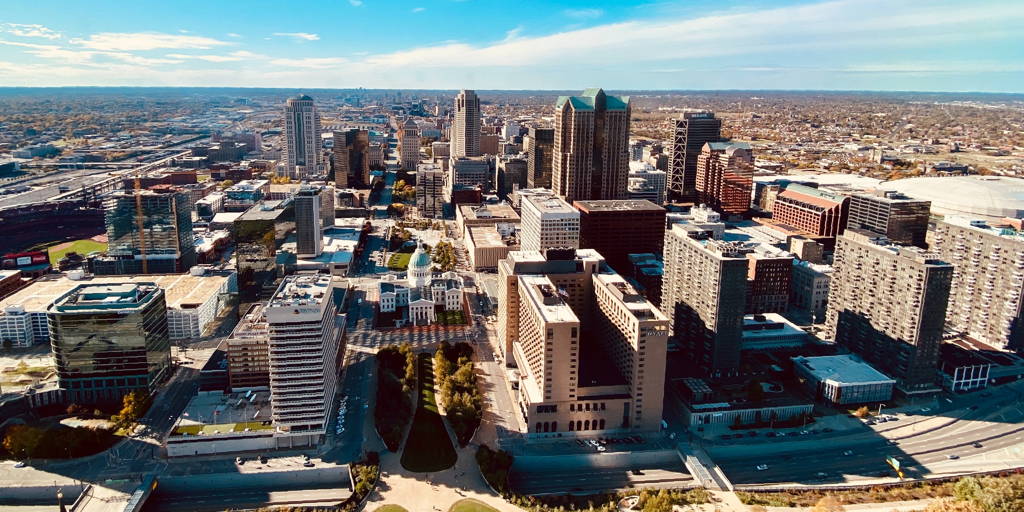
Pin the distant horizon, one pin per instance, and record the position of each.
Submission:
(4, 88)
(656, 45)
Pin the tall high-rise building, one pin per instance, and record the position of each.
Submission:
(430, 190)
(646, 182)
(465, 131)
(541, 142)
(704, 295)
(591, 148)
(815, 212)
(987, 297)
(693, 130)
(548, 223)
(409, 152)
(725, 176)
(109, 340)
(148, 232)
(305, 352)
(887, 304)
(769, 275)
(590, 349)
(302, 137)
(309, 238)
(249, 352)
(901, 219)
(351, 157)
(618, 228)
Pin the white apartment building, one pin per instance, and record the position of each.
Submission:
(646, 182)
(809, 288)
(548, 222)
(305, 345)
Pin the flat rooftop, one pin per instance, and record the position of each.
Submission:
(635, 303)
(210, 414)
(550, 204)
(502, 211)
(611, 205)
(485, 236)
(769, 325)
(263, 210)
(547, 299)
(180, 290)
(843, 369)
(302, 290)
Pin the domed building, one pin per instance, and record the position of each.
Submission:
(422, 293)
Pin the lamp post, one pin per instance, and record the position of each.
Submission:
(880, 409)
(60, 500)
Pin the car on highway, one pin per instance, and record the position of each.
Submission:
(601, 448)
(20, 464)
(308, 464)
(848, 453)
(762, 467)
(976, 444)
(952, 456)
(262, 459)
(239, 461)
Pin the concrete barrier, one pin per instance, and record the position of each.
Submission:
(595, 460)
(269, 480)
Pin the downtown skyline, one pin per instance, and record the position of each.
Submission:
(833, 45)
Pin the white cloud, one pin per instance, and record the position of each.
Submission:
(418, 9)
(356, 3)
(233, 34)
(29, 30)
(231, 57)
(583, 13)
(298, 36)
(311, 62)
(140, 41)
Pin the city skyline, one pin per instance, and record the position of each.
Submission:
(619, 45)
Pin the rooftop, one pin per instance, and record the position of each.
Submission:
(180, 290)
(485, 236)
(302, 290)
(990, 197)
(985, 226)
(606, 205)
(548, 299)
(844, 369)
(211, 414)
(105, 296)
(488, 211)
(550, 204)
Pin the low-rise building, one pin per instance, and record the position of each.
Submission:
(843, 379)
(771, 331)
(487, 245)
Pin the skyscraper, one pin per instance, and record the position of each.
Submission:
(704, 295)
(548, 223)
(302, 137)
(693, 130)
(987, 297)
(725, 177)
(109, 340)
(591, 147)
(351, 157)
(887, 304)
(308, 228)
(410, 145)
(465, 133)
(900, 218)
(430, 190)
(148, 233)
(618, 228)
(305, 354)
(538, 167)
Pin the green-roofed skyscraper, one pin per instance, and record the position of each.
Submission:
(591, 149)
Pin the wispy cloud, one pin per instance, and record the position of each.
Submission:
(584, 14)
(298, 36)
(29, 30)
(311, 62)
(418, 9)
(231, 57)
(141, 41)
(356, 3)
(233, 34)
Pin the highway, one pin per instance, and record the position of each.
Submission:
(225, 499)
(922, 444)
(600, 480)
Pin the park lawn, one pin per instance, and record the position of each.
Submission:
(82, 247)
(428, 448)
(471, 505)
(399, 261)
(391, 508)
(451, 317)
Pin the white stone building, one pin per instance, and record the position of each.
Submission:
(421, 292)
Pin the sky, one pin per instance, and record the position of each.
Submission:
(917, 45)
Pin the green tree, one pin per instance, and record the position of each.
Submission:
(660, 502)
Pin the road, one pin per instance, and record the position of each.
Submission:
(231, 499)
(601, 480)
(923, 446)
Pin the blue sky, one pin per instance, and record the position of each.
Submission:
(922, 45)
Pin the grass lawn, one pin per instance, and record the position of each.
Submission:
(451, 318)
(470, 505)
(428, 447)
(399, 261)
(82, 247)
(391, 508)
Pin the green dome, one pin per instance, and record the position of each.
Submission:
(419, 259)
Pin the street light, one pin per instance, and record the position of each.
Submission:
(880, 409)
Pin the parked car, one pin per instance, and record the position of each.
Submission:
(762, 467)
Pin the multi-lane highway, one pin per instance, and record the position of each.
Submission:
(954, 441)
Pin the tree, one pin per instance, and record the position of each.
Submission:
(862, 412)
(226, 183)
(22, 440)
(133, 406)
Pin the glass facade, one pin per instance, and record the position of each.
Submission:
(151, 226)
(108, 340)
